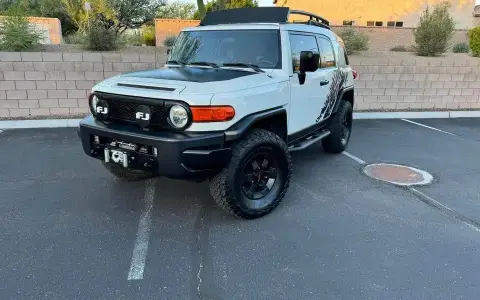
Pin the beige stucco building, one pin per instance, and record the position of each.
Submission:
(384, 13)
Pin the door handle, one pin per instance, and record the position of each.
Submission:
(324, 82)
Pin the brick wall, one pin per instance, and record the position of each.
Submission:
(381, 38)
(34, 84)
(406, 82)
(385, 38)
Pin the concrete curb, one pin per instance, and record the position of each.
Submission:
(49, 123)
(416, 115)
(64, 123)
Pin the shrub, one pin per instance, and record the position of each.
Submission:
(76, 38)
(461, 48)
(131, 39)
(474, 37)
(169, 41)
(100, 38)
(149, 35)
(354, 40)
(400, 48)
(436, 29)
(17, 34)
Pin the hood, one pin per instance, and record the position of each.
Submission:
(196, 85)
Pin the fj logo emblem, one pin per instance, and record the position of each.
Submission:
(102, 110)
(142, 116)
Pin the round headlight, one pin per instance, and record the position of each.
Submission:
(178, 116)
(93, 104)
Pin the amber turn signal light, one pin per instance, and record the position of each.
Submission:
(212, 113)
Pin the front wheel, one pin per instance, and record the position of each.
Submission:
(340, 127)
(257, 177)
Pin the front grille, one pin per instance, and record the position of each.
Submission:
(122, 109)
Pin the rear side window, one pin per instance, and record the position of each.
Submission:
(344, 53)
(327, 56)
(342, 56)
(299, 43)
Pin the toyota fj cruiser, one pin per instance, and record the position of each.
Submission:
(237, 94)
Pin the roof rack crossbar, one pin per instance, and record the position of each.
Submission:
(313, 18)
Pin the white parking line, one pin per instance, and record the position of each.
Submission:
(432, 202)
(360, 161)
(429, 127)
(445, 209)
(143, 235)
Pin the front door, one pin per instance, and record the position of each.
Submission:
(307, 99)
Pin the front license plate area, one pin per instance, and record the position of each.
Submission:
(116, 156)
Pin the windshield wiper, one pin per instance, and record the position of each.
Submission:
(256, 68)
(175, 62)
(203, 63)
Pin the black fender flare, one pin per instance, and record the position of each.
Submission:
(340, 97)
(237, 130)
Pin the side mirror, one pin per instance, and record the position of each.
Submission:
(309, 62)
(168, 51)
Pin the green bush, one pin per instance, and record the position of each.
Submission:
(436, 29)
(474, 37)
(17, 34)
(354, 40)
(461, 48)
(400, 48)
(169, 41)
(76, 38)
(100, 38)
(131, 39)
(149, 35)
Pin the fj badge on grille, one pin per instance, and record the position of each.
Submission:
(143, 115)
(101, 110)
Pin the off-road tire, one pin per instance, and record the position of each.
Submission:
(333, 143)
(127, 174)
(224, 187)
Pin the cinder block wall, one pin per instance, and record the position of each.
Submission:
(36, 84)
(45, 84)
(417, 83)
(385, 38)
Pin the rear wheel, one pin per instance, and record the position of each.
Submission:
(257, 177)
(340, 129)
(127, 174)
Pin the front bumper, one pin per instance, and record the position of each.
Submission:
(178, 154)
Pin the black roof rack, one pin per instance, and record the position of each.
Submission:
(260, 15)
(314, 19)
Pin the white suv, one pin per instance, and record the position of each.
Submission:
(238, 93)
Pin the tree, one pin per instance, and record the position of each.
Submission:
(201, 10)
(435, 31)
(225, 4)
(133, 13)
(81, 13)
(177, 10)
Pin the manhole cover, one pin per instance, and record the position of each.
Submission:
(398, 174)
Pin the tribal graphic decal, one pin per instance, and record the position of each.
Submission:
(338, 80)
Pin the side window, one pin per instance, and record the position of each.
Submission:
(299, 43)
(342, 56)
(327, 56)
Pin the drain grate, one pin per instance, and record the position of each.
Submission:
(398, 174)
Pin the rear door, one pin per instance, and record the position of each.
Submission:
(330, 74)
(306, 99)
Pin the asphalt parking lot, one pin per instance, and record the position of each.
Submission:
(69, 230)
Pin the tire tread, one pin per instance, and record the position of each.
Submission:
(221, 183)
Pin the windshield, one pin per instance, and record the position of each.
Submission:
(256, 47)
